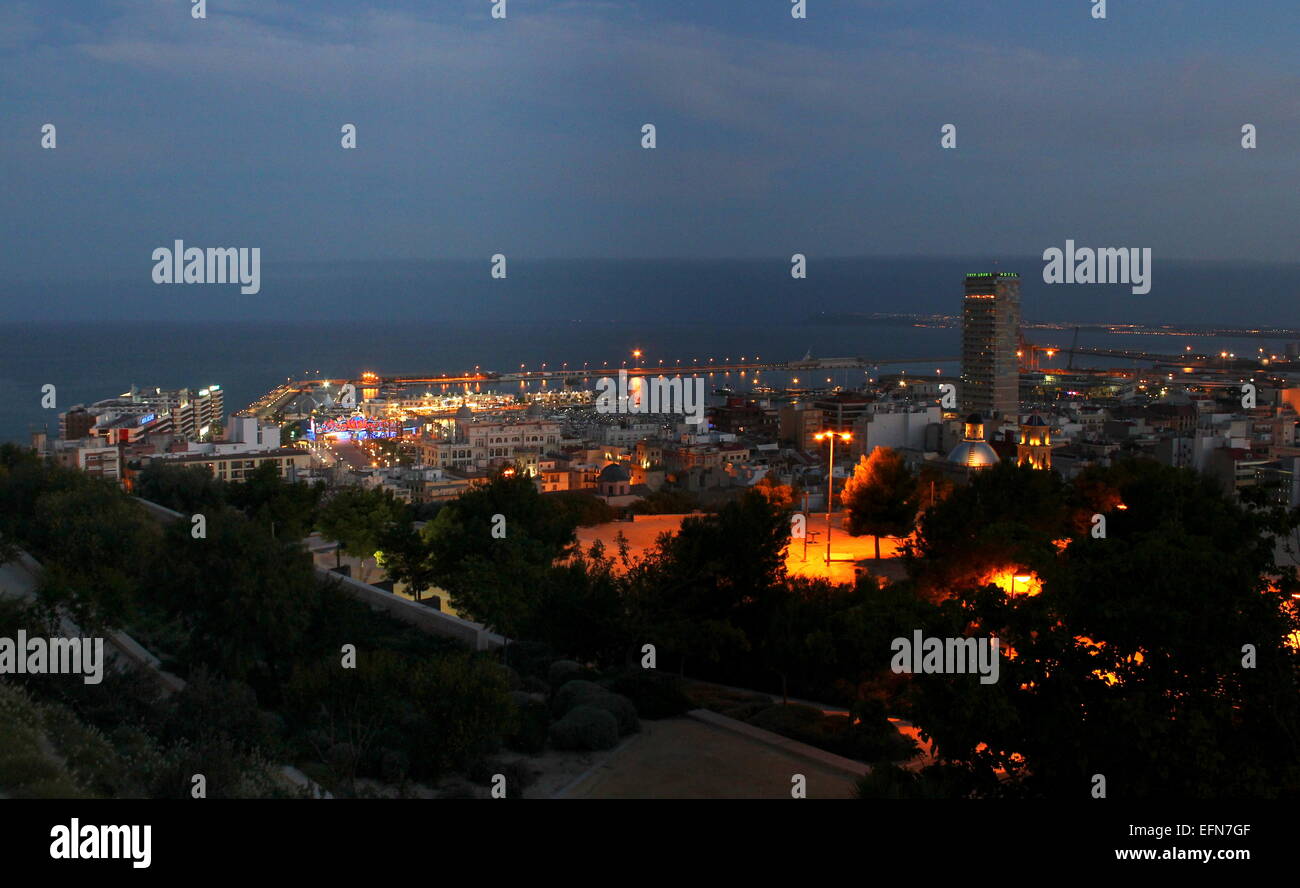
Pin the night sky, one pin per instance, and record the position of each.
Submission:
(523, 136)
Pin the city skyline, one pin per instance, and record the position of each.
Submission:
(449, 399)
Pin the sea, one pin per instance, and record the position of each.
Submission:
(93, 340)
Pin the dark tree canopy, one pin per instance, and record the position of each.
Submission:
(1129, 663)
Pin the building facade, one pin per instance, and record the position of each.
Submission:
(990, 371)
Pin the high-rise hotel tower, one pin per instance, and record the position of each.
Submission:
(990, 372)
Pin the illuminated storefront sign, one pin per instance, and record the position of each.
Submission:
(354, 427)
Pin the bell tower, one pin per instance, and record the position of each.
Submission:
(1035, 447)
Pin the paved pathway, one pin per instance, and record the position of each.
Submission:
(681, 758)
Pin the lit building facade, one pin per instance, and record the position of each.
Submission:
(1035, 445)
(990, 373)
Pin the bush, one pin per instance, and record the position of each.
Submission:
(534, 685)
(585, 728)
(30, 766)
(530, 658)
(869, 740)
(441, 712)
(562, 671)
(717, 699)
(621, 708)
(793, 717)
(585, 693)
(513, 680)
(887, 781)
(571, 693)
(534, 719)
(746, 711)
(655, 694)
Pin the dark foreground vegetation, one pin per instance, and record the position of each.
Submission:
(1161, 655)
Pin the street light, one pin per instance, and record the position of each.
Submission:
(830, 483)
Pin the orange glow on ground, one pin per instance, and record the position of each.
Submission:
(1014, 581)
(846, 550)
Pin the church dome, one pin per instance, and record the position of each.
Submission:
(613, 473)
(464, 413)
(973, 454)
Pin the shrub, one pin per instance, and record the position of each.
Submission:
(562, 671)
(530, 658)
(621, 708)
(571, 693)
(29, 765)
(746, 711)
(793, 717)
(869, 740)
(585, 693)
(887, 781)
(534, 685)
(534, 719)
(655, 694)
(716, 699)
(513, 681)
(585, 728)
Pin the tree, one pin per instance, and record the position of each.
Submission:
(881, 496)
(505, 517)
(186, 489)
(932, 488)
(783, 496)
(700, 592)
(405, 556)
(1007, 515)
(287, 510)
(584, 509)
(357, 517)
(8, 549)
(1129, 662)
(92, 540)
(245, 597)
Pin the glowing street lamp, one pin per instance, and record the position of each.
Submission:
(830, 484)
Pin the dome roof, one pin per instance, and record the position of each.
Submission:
(465, 413)
(973, 454)
(613, 472)
(975, 419)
